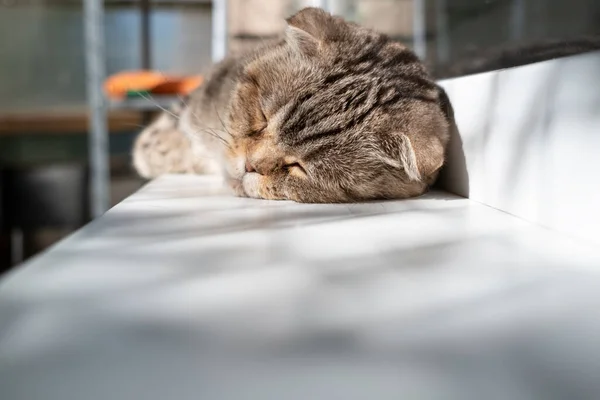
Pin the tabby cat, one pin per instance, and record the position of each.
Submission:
(333, 112)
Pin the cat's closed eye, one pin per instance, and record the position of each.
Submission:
(257, 132)
(296, 169)
(259, 125)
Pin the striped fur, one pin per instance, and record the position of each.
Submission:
(334, 112)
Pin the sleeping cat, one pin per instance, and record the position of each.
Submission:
(333, 112)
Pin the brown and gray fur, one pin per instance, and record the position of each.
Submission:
(162, 148)
(332, 113)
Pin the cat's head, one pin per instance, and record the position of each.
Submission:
(334, 113)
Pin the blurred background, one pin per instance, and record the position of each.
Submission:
(47, 87)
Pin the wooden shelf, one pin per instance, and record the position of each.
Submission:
(65, 122)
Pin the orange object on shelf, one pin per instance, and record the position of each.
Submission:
(118, 85)
(182, 86)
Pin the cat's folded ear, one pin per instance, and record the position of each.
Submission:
(446, 104)
(309, 29)
(401, 155)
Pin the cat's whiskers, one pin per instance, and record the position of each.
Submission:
(180, 97)
(135, 125)
(216, 136)
(151, 100)
(211, 131)
(222, 123)
(214, 132)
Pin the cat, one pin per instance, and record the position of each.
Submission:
(333, 112)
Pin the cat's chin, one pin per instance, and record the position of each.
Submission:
(236, 186)
(251, 184)
(234, 171)
(246, 186)
(234, 167)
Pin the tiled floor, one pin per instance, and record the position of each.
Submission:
(184, 292)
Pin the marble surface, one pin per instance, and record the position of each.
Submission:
(183, 292)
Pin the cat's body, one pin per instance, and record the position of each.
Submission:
(332, 113)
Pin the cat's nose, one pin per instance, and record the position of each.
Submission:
(249, 167)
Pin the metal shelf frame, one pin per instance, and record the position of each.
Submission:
(95, 53)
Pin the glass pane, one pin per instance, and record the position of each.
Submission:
(42, 60)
